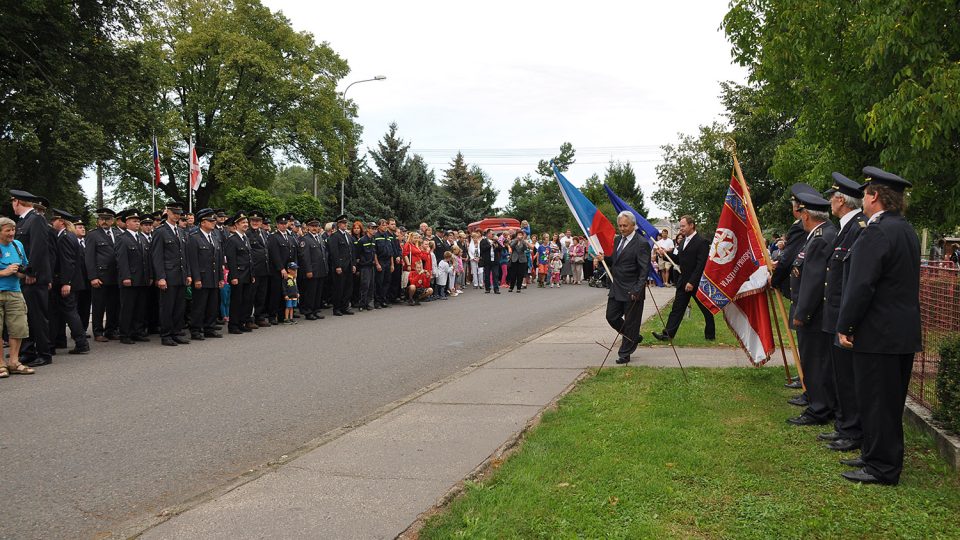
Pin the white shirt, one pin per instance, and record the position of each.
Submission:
(848, 217)
(875, 216)
(666, 244)
(25, 212)
(626, 241)
(686, 240)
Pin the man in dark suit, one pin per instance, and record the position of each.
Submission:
(807, 291)
(490, 251)
(629, 267)
(135, 273)
(280, 253)
(172, 273)
(67, 275)
(101, 264)
(84, 299)
(845, 203)
(261, 268)
(880, 322)
(692, 258)
(34, 233)
(340, 248)
(314, 262)
(205, 257)
(240, 274)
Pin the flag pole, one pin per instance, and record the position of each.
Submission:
(190, 178)
(732, 148)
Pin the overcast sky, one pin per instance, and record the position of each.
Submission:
(508, 82)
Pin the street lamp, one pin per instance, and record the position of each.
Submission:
(345, 166)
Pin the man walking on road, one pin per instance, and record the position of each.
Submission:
(629, 266)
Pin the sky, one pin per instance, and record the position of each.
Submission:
(507, 83)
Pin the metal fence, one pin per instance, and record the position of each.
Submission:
(940, 318)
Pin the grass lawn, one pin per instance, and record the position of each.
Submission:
(690, 333)
(636, 453)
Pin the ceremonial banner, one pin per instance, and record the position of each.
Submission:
(195, 175)
(735, 277)
(592, 222)
(644, 227)
(156, 163)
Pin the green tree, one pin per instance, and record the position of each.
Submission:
(251, 198)
(303, 206)
(695, 175)
(623, 181)
(538, 199)
(237, 78)
(464, 195)
(364, 197)
(292, 180)
(408, 184)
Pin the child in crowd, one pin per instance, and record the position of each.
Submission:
(444, 272)
(458, 271)
(543, 264)
(290, 293)
(556, 265)
(419, 284)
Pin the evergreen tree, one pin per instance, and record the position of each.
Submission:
(623, 181)
(464, 195)
(407, 183)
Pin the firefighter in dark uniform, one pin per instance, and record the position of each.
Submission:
(384, 244)
(806, 287)
(135, 274)
(340, 247)
(313, 268)
(261, 268)
(394, 294)
(172, 274)
(880, 322)
(279, 253)
(240, 274)
(83, 288)
(365, 251)
(34, 233)
(205, 257)
(101, 261)
(67, 276)
(845, 202)
(152, 294)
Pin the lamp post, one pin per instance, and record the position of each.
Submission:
(343, 96)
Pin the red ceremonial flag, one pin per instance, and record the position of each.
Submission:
(156, 162)
(195, 175)
(735, 278)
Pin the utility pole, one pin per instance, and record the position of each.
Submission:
(99, 184)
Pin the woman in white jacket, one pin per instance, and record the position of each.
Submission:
(473, 258)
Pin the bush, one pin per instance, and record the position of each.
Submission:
(948, 384)
(251, 198)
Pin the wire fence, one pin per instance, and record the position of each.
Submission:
(940, 318)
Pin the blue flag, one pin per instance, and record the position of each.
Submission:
(644, 227)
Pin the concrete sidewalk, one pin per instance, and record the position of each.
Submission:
(375, 480)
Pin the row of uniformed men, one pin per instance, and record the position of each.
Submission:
(137, 271)
(855, 294)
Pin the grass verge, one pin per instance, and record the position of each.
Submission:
(690, 333)
(636, 453)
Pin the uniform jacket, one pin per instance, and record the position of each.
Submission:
(258, 250)
(133, 260)
(630, 267)
(169, 253)
(341, 251)
(781, 274)
(364, 250)
(205, 259)
(809, 274)
(313, 257)
(68, 269)
(692, 258)
(34, 233)
(239, 258)
(100, 256)
(384, 244)
(280, 251)
(836, 268)
(880, 305)
(84, 283)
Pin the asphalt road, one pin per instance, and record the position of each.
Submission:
(91, 444)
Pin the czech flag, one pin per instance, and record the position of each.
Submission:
(156, 162)
(594, 224)
(644, 227)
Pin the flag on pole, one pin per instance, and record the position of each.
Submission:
(735, 277)
(644, 227)
(593, 223)
(156, 162)
(195, 175)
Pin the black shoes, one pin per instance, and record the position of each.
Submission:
(347, 312)
(168, 341)
(799, 401)
(829, 436)
(796, 385)
(197, 336)
(212, 334)
(661, 337)
(805, 420)
(863, 477)
(141, 339)
(844, 445)
(181, 341)
(856, 462)
(37, 361)
(80, 349)
(234, 330)
(621, 360)
(127, 341)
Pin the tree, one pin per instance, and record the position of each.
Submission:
(251, 198)
(364, 197)
(623, 181)
(465, 196)
(408, 184)
(303, 206)
(538, 199)
(246, 87)
(694, 175)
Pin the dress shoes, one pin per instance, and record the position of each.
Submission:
(496, 292)
(196, 336)
(863, 477)
(38, 361)
(829, 436)
(101, 339)
(857, 462)
(251, 326)
(141, 339)
(245, 330)
(623, 360)
(805, 420)
(337, 313)
(347, 312)
(80, 349)
(796, 385)
(844, 445)
(263, 323)
(127, 341)
(212, 334)
(661, 337)
(180, 341)
(310, 317)
(233, 330)
(799, 401)
(168, 341)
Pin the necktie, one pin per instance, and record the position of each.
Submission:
(82, 244)
(110, 234)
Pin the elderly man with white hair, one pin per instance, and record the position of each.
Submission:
(629, 266)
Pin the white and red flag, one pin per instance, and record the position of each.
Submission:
(735, 277)
(195, 175)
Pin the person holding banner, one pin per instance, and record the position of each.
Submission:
(692, 258)
(629, 266)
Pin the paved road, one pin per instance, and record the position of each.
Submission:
(92, 443)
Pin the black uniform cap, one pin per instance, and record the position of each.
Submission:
(873, 175)
(41, 201)
(132, 213)
(56, 213)
(105, 213)
(844, 185)
(282, 218)
(22, 195)
(220, 212)
(811, 201)
(341, 217)
(266, 221)
(234, 219)
(175, 207)
(206, 213)
(313, 221)
(147, 219)
(256, 214)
